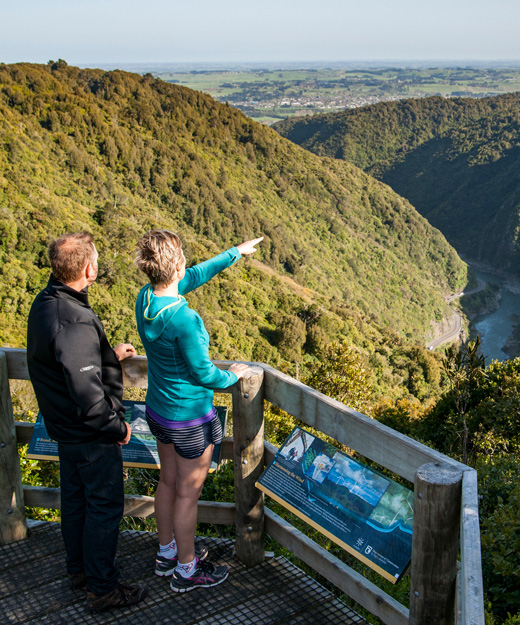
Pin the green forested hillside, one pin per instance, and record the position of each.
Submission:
(116, 153)
(456, 161)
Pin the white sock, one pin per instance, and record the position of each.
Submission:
(187, 569)
(168, 551)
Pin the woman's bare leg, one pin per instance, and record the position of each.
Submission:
(190, 475)
(165, 495)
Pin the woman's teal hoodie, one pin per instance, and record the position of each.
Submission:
(180, 374)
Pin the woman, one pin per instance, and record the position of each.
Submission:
(179, 400)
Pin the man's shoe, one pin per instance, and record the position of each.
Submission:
(77, 581)
(205, 575)
(123, 595)
(166, 566)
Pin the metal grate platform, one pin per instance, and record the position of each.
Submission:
(34, 589)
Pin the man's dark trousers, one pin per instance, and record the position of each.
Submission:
(92, 501)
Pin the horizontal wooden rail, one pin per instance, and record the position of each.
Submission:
(215, 512)
(335, 571)
(16, 363)
(395, 451)
(24, 431)
(135, 370)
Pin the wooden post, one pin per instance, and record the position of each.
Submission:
(12, 512)
(248, 457)
(435, 543)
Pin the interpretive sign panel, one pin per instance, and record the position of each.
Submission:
(141, 451)
(365, 512)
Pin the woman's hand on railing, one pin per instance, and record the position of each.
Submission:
(239, 369)
(248, 247)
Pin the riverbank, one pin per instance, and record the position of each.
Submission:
(492, 310)
(499, 329)
(512, 346)
(451, 328)
(482, 302)
(510, 281)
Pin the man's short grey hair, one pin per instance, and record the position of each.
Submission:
(70, 254)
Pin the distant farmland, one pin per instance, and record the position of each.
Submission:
(269, 94)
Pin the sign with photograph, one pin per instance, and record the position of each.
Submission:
(365, 512)
(141, 450)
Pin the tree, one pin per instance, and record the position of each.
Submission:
(342, 373)
(292, 335)
(465, 368)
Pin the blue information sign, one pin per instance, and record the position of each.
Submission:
(365, 512)
(141, 451)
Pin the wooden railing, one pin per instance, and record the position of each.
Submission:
(445, 492)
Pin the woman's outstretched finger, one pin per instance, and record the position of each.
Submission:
(248, 247)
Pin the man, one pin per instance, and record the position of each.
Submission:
(78, 383)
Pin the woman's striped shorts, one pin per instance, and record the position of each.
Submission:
(189, 442)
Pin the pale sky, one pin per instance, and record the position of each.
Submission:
(139, 31)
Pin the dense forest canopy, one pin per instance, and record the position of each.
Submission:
(456, 160)
(117, 153)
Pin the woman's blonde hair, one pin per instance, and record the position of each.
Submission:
(158, 255)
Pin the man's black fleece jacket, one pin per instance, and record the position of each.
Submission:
(75, 373)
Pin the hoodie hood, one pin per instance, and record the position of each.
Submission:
(156, 312)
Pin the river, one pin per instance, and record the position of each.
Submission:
(495, 328)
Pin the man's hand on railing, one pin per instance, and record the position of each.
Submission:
(124, 350)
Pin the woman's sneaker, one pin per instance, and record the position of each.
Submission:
(205, 575)
(166, 566)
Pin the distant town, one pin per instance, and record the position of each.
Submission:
(270, 94)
